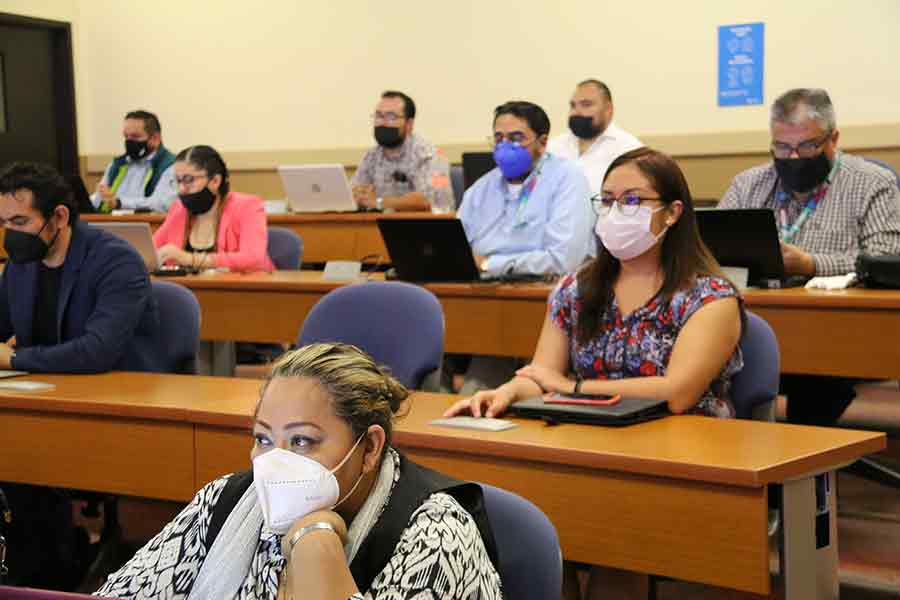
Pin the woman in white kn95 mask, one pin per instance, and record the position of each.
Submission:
(328, 510)
(651, 316)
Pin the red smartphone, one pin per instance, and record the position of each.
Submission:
(583, 399)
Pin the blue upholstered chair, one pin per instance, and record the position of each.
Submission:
(179, 327)
(399, 324)
(755, 387)
(527, 544)
(285, 248)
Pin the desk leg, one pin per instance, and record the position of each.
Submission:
(809, 572)
(216, 358)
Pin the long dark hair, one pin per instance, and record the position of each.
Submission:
(684, 255)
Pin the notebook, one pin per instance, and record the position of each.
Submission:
(628, 411)
(317, 188)
(139, 236)
(746, 238)
(429, 250)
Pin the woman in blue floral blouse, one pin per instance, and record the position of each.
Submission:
(651, 316)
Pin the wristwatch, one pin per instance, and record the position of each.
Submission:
(379, 203)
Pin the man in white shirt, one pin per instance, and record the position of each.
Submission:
(593, 140)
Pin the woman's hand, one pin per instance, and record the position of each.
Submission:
(170, 253)
(548, 379)
(490, 403)
(319, 516)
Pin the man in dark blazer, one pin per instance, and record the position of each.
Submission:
(73, 298)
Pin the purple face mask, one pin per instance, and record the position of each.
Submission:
(514, 160)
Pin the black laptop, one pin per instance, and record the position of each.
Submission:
(475, 165)
(429, 250)
(627, 411)
(746, 238)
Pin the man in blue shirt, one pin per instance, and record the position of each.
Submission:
(532, 213)
(143, 178)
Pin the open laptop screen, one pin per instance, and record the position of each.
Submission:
(743, 238)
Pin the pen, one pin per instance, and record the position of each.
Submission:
(588, 401)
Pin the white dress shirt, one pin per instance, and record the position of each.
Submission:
(611, 144)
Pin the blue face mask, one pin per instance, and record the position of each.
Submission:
(514, 160)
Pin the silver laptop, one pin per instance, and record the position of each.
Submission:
(317, 188)
(139, 236)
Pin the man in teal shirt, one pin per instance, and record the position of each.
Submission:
(143, 177)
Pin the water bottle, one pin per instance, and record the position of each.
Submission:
(443, 201)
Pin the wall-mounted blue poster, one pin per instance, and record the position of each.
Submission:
(741, 64)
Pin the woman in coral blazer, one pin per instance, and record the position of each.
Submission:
(209, 226)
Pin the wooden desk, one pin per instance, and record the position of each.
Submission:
(683, 496)
(850, 332)
(326, 236)
(502, 320)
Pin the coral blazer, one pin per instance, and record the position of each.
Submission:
(243, 237)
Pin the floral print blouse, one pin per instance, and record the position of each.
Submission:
(640, 344)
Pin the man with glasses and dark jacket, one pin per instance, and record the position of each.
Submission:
(830, 207)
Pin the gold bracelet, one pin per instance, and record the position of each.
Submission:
(308, 529)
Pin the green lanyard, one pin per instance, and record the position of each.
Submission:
(788, 231)
(525, 194)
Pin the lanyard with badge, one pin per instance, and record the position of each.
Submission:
(525, 194)
(787, 230)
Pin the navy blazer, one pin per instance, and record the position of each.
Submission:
(107, 318)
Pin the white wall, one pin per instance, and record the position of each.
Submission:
(283, 74)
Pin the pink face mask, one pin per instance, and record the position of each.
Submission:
(627, 237)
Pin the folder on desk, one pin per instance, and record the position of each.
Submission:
(627, 411)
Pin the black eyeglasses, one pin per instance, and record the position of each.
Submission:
(189, 179)
(806, 149)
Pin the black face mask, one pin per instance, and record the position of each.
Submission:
(137, 149)
(198, 203)
(583, 127)
(23, 247)
(389, 137)
(803, 174)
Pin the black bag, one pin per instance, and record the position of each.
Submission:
(878, 271)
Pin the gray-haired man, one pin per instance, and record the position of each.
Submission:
(830, 207)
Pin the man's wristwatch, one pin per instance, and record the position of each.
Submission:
(379, 203)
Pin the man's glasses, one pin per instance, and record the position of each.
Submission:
(388, 117)
(806, 149)
(627, 204)
(516, 137)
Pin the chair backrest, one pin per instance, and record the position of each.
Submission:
(458, 183)
(757, 383)
(285, 248)
(18, 593)
(399, 324)
(528, 546)
(178, 336)
(885, 165)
